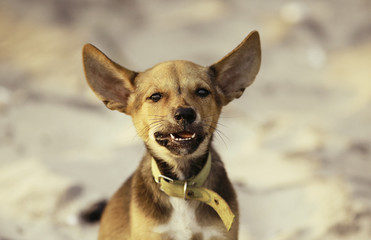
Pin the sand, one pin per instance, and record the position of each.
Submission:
(296, 146)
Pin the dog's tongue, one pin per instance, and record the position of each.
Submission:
(185, 134)
(182, 136)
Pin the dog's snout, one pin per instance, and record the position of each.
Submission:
(186, 114)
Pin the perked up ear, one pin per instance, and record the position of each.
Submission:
(238, 69)
(111, 82)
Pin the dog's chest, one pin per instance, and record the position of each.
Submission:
(183, 224)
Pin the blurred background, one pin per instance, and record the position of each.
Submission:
(296, 146)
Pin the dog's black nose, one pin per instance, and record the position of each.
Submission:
(186, 114)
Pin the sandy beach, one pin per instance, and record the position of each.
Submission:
(296, 145)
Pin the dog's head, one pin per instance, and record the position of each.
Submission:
(175, 105)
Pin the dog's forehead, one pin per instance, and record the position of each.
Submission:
(177, 73)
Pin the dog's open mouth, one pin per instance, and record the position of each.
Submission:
(184, 142)
(178, 137)
(182, 136)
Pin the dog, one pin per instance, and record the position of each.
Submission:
(180, 189)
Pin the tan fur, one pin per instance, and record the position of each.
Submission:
(138, 207)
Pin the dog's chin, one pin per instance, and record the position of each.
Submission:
(180, 143)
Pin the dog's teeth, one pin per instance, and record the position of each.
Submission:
(181, 139)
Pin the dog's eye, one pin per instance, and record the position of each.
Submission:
(202, 92)
(155, 97)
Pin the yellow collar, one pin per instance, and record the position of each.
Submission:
(197, 180)
(191, 189)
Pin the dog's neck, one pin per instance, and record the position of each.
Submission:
(192, 187)
(182, 170)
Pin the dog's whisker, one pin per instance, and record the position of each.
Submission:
(156, 121)
(142, 131)
(153, 124)
(218, 131)
(220, 135)
(221, 138)
(217, 123)
(211, 122)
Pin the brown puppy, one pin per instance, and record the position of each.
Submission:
(180, 189)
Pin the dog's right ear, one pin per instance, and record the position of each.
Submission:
(111, 82)
(238, 69)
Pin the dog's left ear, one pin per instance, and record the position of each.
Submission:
(111, 82)
(238, 69)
